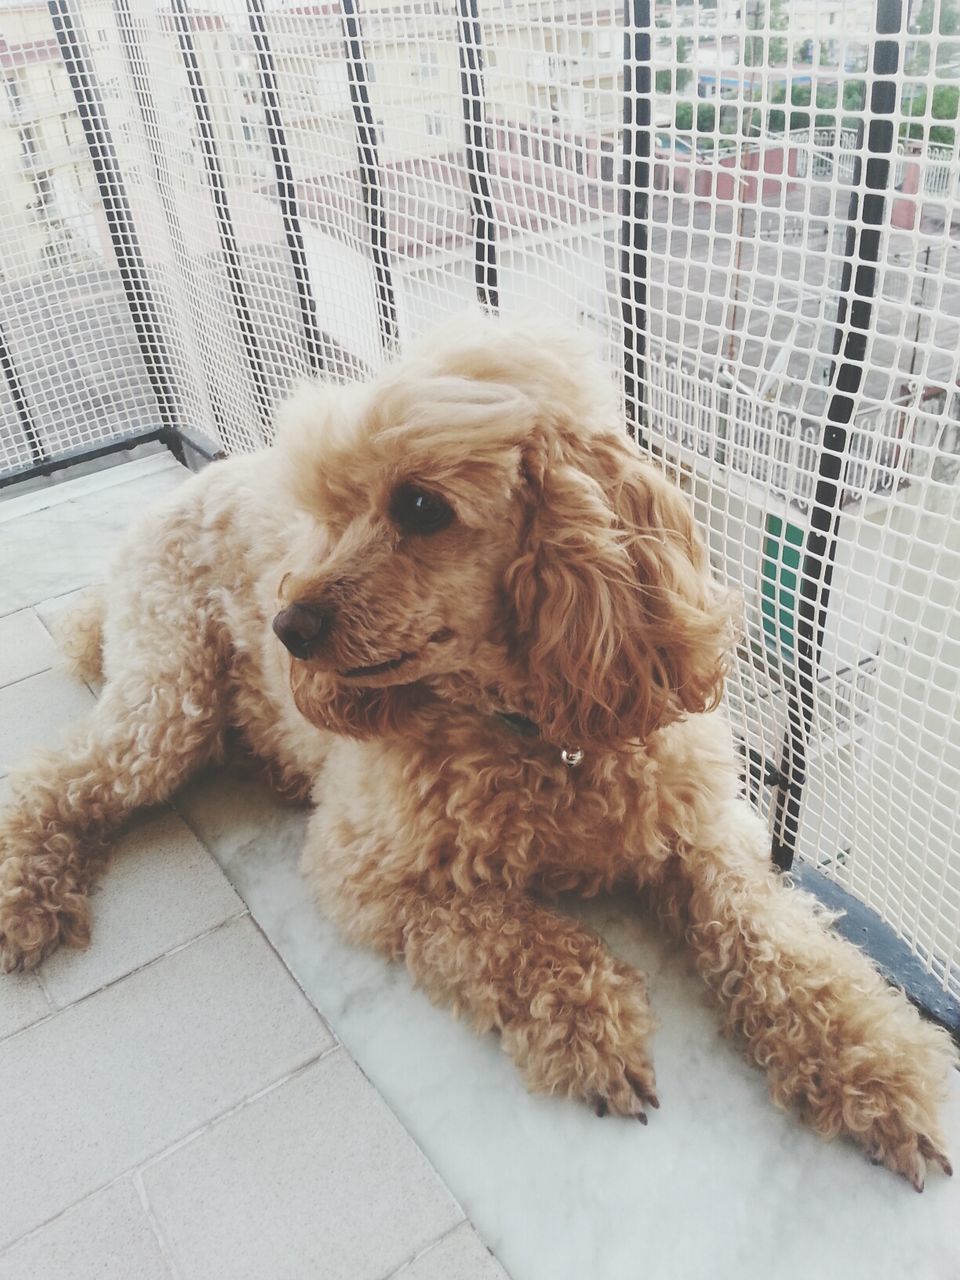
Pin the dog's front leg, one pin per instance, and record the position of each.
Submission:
(833, 1037)
(575, 1020)
(150, 730)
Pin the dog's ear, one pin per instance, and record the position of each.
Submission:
(612, 617)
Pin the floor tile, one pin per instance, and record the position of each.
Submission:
(22, 1002)
(49, 610)
(316, 1178)
(229, 811)
(63, 487)
(25, 646)
(461, 1255)
(116, 1078)
(47, 553)
(161, 889)
(36, 712)
(50, 613)
(560, 1195)
(107, 1237)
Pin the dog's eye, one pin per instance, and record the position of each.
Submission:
(416, 510)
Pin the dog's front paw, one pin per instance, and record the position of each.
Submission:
(591, 1044)
(32, 924)
(893, 1117)
(895, 1143)
(625, 1085)
(885, 1091)
(43, 899)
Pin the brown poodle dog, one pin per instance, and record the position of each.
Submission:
(499, 673)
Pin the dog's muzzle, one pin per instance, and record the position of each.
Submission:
(302, 628)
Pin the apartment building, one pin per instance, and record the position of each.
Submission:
(47, 192)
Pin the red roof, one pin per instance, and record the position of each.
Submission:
(427, 201)
(17, 55)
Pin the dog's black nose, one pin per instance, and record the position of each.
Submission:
(302, 628)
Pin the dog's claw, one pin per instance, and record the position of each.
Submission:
(931, 1151)
(643, 1091)
(630, 1105)
(912, 1162)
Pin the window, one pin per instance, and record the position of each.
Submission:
(13, 89)
(55, 253)
(429, 67)
(434, 126)
(44, 189)
(28, 145)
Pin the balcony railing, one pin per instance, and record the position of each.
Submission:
(702, 417)
(825, 153)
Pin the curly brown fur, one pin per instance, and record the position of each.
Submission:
(562, 580)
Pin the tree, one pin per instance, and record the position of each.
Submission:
(758, 51)
(917, 60)
(945, 105)
(948, 25)
(854, 94)
(679, 76)
(706, 121)
(684, 75)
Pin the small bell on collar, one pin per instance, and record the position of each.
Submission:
(571, 757)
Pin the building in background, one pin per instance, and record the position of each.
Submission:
(47, 196)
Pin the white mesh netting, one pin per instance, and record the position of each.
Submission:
(201, 203)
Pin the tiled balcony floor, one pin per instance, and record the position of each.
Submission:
(220, 1087)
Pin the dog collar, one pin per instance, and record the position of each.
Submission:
(519, 724)
(571, 756)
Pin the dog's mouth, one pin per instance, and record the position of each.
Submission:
(378, 668)
(390, 665)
